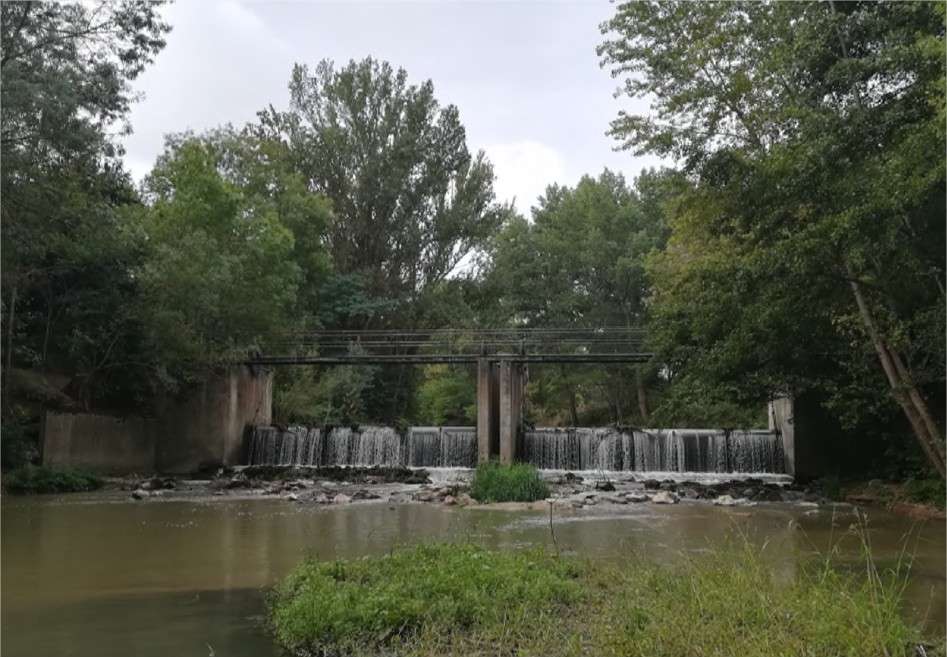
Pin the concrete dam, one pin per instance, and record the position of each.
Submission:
(577, 448)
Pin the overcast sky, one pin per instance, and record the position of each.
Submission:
(524, 76)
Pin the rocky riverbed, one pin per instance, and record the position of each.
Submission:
(568, 490)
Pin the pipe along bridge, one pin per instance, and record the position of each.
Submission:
(501, 357)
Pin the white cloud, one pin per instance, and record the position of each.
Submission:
(523, 171)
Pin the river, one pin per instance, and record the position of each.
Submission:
(98, 575)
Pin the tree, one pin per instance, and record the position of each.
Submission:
(222, 274)
(409, 200)
(65, 93)
(814, 135)
(580, 264)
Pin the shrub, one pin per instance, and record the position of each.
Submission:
(39, 479)
(507, 483)
(342, 606)
(926, 491)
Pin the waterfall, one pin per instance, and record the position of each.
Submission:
(653, 450)
(579, 448)
(365, 446)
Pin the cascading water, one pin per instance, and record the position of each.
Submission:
(365, 446)
(580, 448)
(655, 450)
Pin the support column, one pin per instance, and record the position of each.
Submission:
(488, 429)
(511, 409)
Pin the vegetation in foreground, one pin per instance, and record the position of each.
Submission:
(519, 482)
(464, 599)
(40, 479)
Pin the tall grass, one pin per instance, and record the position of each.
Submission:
(466, 600)
(519, 482)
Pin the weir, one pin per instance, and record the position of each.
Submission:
(578, 448)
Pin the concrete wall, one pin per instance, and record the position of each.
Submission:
(203, 429)
(99, 442)
(206, 429)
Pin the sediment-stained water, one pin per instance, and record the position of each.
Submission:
(98, 575)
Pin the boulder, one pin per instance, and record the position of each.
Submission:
(140, 494)
(637, 498)
(652, 484)
(664, 497)
(341, 498)
(363, 494)
(729, 500)
(449, 500)
(605, 486)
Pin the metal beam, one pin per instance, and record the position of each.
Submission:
(423, 359)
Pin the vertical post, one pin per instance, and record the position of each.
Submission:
(488, 436)
(781, 419)
(511, 400)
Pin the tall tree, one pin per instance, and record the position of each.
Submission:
(409, 200)
(65, 95)
(814, 134)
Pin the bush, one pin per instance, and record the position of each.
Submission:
(465, 600)
(507, 483)
(342, 606)
(39, 479)
(926, 491)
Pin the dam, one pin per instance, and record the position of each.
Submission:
(572, 448)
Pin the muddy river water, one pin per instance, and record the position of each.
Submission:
(99, 575)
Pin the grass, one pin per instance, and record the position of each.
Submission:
(342, 607)
(507, 483)
(40, 479)
(467, 600)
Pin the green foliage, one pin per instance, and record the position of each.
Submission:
(518, 482)
(40, 479)
(813, 138)
(410, 201)
(926, 491)
(342, 606)
(447, 396)
(66, 71)
(462, 599)
(580, 264)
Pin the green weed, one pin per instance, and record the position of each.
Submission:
(507, 483)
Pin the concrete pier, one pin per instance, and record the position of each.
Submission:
(512, 380)
(488, 419)
(500, 395)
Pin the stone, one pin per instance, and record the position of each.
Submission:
(605, 486)
(667, 485)
(239, 480)
(399, 498)
(363, 494)
(140, 494)
(292, 497)
(341, 498)
(449, 500)
(652, 484)
(571, 478)
(729, 500)
(637, 498)
(464, 499)
(664, 497)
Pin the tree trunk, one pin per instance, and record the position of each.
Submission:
(902, 386)
(642, 395)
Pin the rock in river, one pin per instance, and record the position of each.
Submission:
(664, 497)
